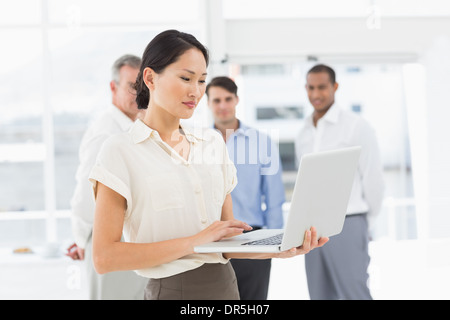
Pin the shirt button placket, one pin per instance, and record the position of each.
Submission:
(199, 195)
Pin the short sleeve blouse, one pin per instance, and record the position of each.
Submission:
(167, 197)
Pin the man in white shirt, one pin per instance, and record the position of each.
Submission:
(339, 270)
(124, 285)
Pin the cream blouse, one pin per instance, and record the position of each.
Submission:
(167, 197)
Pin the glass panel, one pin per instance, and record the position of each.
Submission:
(371, 90)
(81, 65)
(263, 69)
(21, 145)
(22, 233)
(81, 72)
(23, 190)
(287, 155)
(20, 77)
(279, 112)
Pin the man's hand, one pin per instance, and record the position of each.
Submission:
(75, 252)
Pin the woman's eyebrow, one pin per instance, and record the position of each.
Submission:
(192, 72)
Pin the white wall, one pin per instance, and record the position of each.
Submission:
(437, 65)
(346, 38)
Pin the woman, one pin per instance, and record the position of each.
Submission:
(168, 188)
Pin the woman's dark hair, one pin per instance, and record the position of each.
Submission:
(162, 51)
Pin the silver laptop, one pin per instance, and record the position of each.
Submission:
(320, 198)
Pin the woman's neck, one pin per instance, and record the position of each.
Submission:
(161, 121)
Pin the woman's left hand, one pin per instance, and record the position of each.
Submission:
(309, 243)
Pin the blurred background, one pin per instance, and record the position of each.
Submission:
(392, 60)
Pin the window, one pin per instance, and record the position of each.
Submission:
(279, 112)
(277, 101)
(54, 78)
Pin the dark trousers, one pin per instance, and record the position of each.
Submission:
(252, 278)
(211, 281)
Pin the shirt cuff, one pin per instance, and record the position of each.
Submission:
(101, 174)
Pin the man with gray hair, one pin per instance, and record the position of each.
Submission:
(123, 285)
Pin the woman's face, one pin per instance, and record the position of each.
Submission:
(181, 85)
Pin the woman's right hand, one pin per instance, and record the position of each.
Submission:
(219, 230)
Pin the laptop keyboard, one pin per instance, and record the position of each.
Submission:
(274, 240)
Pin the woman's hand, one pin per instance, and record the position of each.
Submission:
(310, 242)
(220, 230)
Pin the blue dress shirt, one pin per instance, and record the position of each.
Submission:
(259, 195)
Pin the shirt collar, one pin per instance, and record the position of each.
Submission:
(332, 115)
(241, 130)
(193, 135)
(141, 132)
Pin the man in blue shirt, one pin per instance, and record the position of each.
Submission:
(259, 194)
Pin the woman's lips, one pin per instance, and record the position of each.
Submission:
(190, 104)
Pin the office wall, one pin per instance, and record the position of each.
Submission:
(349, 38)
(437, 67)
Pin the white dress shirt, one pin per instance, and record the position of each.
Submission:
(111, 122)
(167, 196)
(339, 128)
